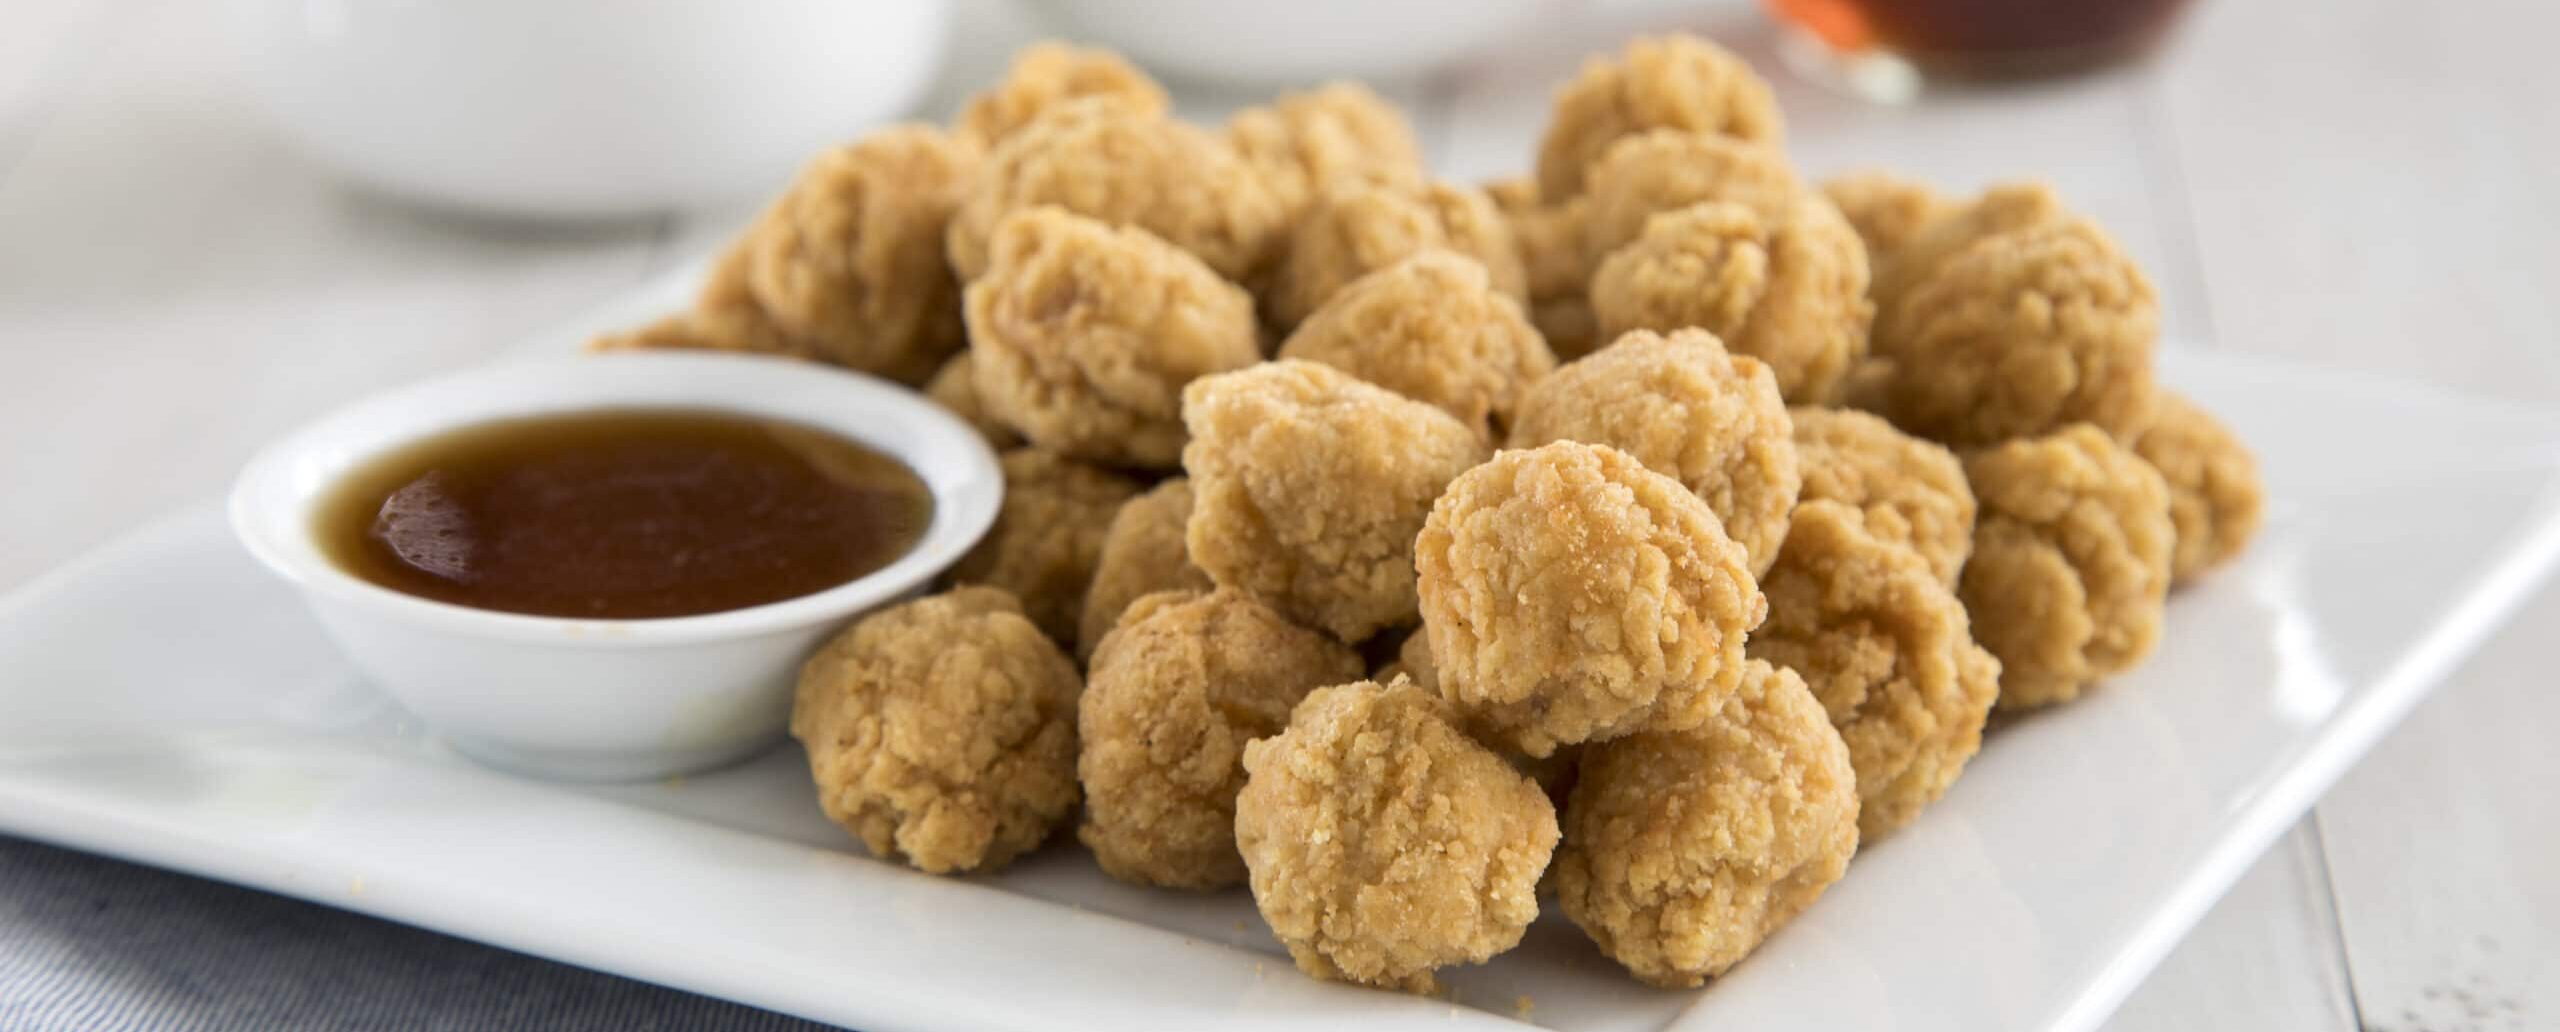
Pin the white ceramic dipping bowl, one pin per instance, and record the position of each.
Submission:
(604, 700)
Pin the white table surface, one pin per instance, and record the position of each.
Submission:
(2359, 182)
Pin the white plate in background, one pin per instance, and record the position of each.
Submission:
(166, 701)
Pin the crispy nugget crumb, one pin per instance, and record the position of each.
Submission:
(2018, 332)
(942, 731)
(1432, 328)
(1047, 74)
(2215, 498)
(1687, 410)
(2070, 561)
(1126, 167)
(1553, 772)
(1790, 292)
(1308, 487)
(724, 317)
(1650, 173)
(848, 261)
(1383, 843)
(1912, 492)
(1355, 227)
(1048, 535)
(1887, 210)
(1339, 131)
(1685, 850)
(1676, 82)
(1549, 237)
(1571, 594)
(1142, 553)
(1085, 334)
(1176, 692)
(1887, 650)
(955, 388)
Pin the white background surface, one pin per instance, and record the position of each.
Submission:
(2357, 182)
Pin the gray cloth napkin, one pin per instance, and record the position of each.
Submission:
(90, 943)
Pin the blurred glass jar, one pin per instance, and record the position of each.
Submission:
(583, 108)
(1299, 41)
(1883, 48)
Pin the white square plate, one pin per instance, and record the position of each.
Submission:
(166, 701)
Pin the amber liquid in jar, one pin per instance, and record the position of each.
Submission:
(623, 514)
(1988, 38)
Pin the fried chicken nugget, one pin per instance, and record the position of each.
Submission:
(1667, 170)
(1684, 850)
(1106, 160)
(1553, 773)
(1176, 691)
(1687, 410)
(1050, 73)
(724, 317)
(1887, 210)
(2070, 562)
(1676, 82)
(1887, 650)
(955, 388)
(1356, 227)
(1143, 552)
(1084, 335)
(1308, 487)
(1571, 595)
(1047, 536)
(2018, 332)
(2215, 498)
(1338, 131)
(1791, 292)
(1432, 328)
(848, 262)
(1912, 492)
(942, 731)
(1384, 843)
(1548, 235)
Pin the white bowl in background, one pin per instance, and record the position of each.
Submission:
(604, 699)
(583, 108)
(1298, 41)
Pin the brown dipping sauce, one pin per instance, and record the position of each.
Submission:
(623, 514)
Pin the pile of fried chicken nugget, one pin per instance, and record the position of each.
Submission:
(1696, 518)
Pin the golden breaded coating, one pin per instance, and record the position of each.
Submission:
(1176, 692)
(2002, 208)
(848, 261)
(1431, 328)
(1912, 492)
(1791, 292)
(1643, 176)
(1308, 487)
(955, 388)
(1888, 652)
(2215, 498)
(1302, 141)
(1676, 82)
(1085, 334)
(1050, 73)
(1355, 228)
(1685, 850)
(1142, 553)
(1549, 237)
(1383, 843)
(2070, 561)
(1887, 210)
(1571, 595)
(942, 731)
(1567, 323)
(1689, 411)
(1412, 662)
(2018, 334)
(1047, 536)
(1108, 161)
